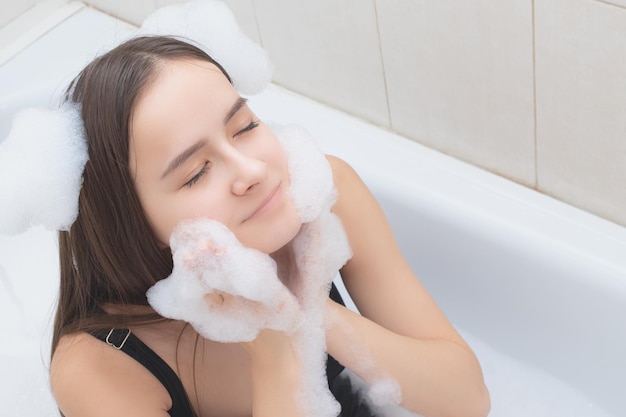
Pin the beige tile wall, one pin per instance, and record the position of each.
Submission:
(534, 90)
(460, 79)
(581, 104)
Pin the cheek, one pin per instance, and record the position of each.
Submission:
(161, 222)
(171, 212)
(292, 225)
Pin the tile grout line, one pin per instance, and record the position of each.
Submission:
(534, 75)
(382, 63)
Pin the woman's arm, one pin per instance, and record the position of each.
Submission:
(276, 375)
(402, 330)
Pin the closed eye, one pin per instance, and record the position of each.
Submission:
(249, 127)
(197, 177)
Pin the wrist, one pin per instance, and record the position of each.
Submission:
(276, 375)
(269, 349)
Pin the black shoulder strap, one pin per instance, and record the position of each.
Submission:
(124, 340)
(334, 368)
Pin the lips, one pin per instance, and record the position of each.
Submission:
(267, 204)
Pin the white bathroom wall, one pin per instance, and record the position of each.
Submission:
(533, 90)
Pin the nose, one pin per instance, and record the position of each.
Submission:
(248, 171)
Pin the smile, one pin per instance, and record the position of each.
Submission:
(268, 204)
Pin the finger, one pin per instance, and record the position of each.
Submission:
(214, 299)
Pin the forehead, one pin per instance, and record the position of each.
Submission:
(183, 79)
(186, 100)
(181, 91)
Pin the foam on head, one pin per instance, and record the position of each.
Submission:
(41, 165)
(211, 25)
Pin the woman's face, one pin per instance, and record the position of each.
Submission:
(197, 150)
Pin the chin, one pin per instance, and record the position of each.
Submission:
(286, 240)
(279, 238)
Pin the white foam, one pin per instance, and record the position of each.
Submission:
(41, 165)
(312, 188)
(212, 26)
(385, 391)
(320, 248)
(208, 259)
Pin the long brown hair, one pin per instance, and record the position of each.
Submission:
(110, 254)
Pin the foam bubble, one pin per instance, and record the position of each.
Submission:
(312, 188)
(208, 259)
(385, 391)
(320, 249)
(212, 26)
(41, 165)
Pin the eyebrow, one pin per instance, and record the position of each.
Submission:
(235, 108)
(183, 156)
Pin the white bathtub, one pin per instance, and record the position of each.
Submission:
(537, 286)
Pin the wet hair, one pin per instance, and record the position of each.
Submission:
(110, 254)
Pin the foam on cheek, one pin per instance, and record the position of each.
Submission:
(208, 259)
(41, 164)
(312, 188)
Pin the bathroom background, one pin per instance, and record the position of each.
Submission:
(533, 90)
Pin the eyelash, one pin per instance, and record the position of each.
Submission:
(251, 126)
(197, 177)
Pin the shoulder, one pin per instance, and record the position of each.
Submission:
(343, 173)
(91, 378)
(351, 189)
(355, 202)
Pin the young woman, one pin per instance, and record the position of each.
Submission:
(169, 138)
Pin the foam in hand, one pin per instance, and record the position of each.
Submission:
(208, 259)
(41, 165)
